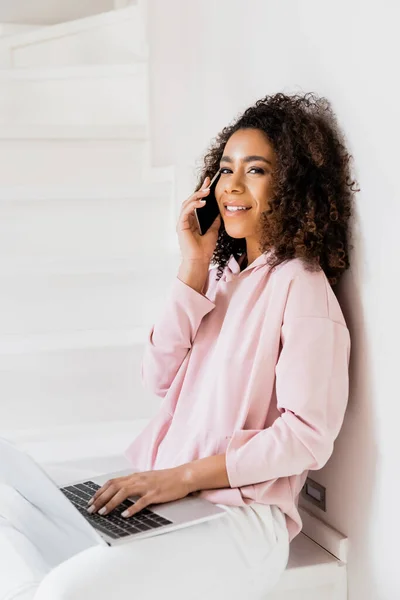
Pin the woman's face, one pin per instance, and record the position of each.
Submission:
(246, 168)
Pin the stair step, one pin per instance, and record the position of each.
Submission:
(65, 386)
(85, 95)
(138, 190)
(117, 35)
(75, 26)
(72, 162)
(17, 267)
(59, 132)
(87, 227)
(16, 344)
(38, 303)
(72, 72)
(78, 442)
(13, 29)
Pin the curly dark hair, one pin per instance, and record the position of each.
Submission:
(308, 215)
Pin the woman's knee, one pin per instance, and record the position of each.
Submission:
(74, 578)
(9, 499)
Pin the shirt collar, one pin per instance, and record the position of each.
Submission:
(232, 268)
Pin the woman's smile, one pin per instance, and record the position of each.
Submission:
(235, 212)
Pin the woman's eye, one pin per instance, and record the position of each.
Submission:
(257, 169)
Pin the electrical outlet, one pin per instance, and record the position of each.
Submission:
(315, 493)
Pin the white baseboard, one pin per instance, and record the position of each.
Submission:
(326, 536)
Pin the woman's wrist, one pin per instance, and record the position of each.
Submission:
(187, 476)
(195, 276)
(205, 474)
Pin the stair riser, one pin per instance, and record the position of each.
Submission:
(116, 36)
(85, 228)
(77, 386)
(36, 305)
(12, 29)
(85, 97)
(71, 162)
(119, 44)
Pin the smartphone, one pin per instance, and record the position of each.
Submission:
(207, 214)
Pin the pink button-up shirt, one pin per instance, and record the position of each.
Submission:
(256, 368)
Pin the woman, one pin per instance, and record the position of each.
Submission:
(251, 359)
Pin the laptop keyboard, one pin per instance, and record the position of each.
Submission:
(112, 524)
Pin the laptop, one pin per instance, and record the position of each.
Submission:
(67, 505)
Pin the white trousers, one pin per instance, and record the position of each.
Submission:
(240, 555)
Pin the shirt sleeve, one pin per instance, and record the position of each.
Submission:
(312, 387)
(171, 337)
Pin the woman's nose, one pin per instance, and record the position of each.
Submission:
(233, 184)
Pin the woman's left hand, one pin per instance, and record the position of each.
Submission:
(153, 487)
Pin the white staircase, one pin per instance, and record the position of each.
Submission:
(87, 228)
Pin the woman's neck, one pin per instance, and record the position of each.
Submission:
(243, 262)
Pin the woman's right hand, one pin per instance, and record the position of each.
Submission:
(196, 248)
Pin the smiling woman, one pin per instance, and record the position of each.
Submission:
(252, 362)
(286, 158)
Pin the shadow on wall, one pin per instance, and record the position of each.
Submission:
(351, 471)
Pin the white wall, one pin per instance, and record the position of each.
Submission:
(210, 60)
